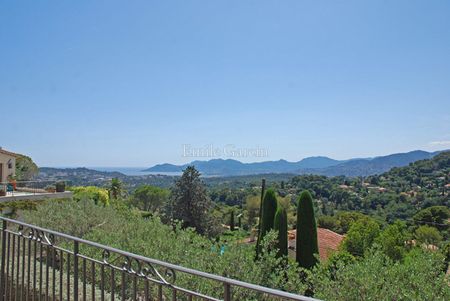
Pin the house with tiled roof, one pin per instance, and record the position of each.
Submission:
(328, 242)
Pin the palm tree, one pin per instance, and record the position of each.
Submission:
(116, 188)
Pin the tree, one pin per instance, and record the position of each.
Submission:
(252, 204)
(427, 235)
(116, 188)
(347, 219)
(433, 216)
(393, 240)
(189, 202)
(328, 222)
(269, 208)
(232, 220)
(149, 198)
(281, 226)
(26, 169)
(307, 246)
(361, 236)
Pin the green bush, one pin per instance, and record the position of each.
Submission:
(377, 277)
(393, 240)
(427, 235)
(99, 195)
(361, 236)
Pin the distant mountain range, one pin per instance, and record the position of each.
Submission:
(311, 165)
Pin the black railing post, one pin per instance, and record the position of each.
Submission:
(75, 270)
(2, 268)
(227, 292)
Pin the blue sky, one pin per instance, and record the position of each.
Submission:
(127, 83)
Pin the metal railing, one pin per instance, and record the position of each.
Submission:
(41, 264)
(28, 187)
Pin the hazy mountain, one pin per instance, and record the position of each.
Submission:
(377, 165)
(227, 167)
(310, 165)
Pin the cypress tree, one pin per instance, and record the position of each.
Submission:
(269, 208)
(263, 189)
(306, 232)
(281, 225)
(232, 221)
(240, 221)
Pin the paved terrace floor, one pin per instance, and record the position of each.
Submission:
(34, 196)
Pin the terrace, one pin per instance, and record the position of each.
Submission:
(32, 190)
(38, 263)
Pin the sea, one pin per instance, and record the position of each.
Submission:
(134, 171)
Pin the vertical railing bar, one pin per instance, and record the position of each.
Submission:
(61, 274)
(13, 255)
(174, 295)
(34, 269)
(16, 294)
(93, 281)
(134, 288)
(84, 279)
(147, 295)
(102, 285)
(68, 277)
(5, 291)
(123, 285)
(75, 270)
(47, 264)
(160, 293)
(22, 289)
(2, 268)
(227, 292)
(53, 273)
(113, 284)
(40, 270)
(27, 294)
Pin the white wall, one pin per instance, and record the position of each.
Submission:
(4, 159)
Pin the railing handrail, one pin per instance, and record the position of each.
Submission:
(234, 282)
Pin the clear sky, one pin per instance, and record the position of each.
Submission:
(127, 83)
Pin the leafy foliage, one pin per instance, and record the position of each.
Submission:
(98, 195)
(361, 236)
(26, 169)
(427, 235)
(149, 198)
(393, 240)
(419, 276)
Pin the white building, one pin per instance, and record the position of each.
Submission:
(7, 165)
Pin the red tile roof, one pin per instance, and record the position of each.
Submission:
(328, 241)
(8, 153)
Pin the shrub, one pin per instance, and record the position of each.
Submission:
(377, 277)
(427, 235)
(361, 236)
(100, 196)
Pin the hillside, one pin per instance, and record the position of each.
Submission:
(396, 194)
(311, 165)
